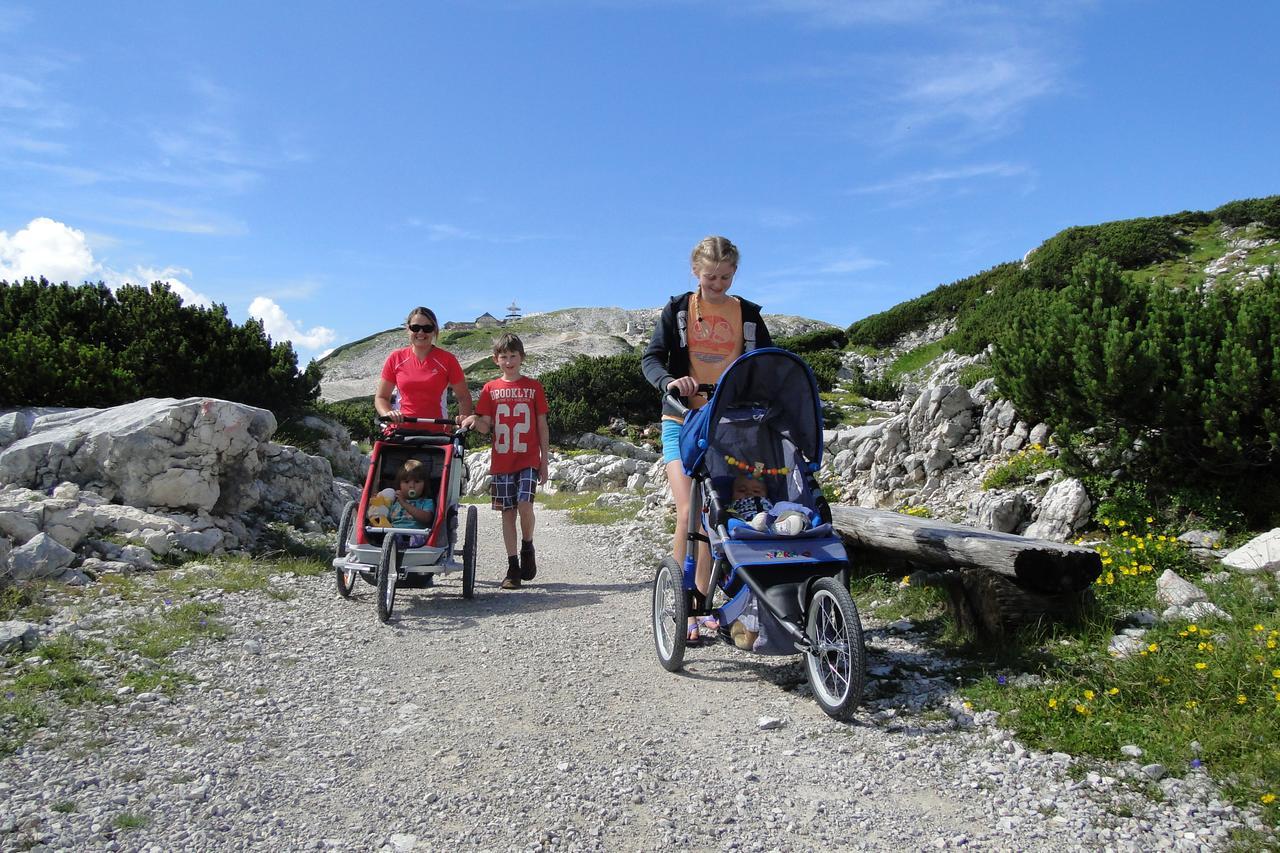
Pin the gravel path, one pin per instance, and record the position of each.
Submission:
(540, 719)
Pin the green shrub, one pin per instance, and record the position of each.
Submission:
(815, 341)
(88, 346)
(589, 391)
(1176, 387)
(1129, 243)
(1237, 213)
(357, 415)
(825, 365)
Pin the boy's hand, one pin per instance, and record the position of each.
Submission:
(542, 474)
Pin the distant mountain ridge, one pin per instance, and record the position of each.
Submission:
(549, 338)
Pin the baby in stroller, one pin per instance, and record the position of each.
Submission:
(750, 506)
(413, 508)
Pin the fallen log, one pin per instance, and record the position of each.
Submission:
(1037, 565)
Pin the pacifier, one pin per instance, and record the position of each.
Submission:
(412, 493)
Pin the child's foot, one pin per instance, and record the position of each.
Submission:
(512, 580)
(708, 622)
(528, 565)
(693, 637)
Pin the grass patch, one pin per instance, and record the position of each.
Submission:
(27, 602)
(583, 509)
(158, 637)
(909, 362)
(891, 599)
(129, 820)
(973, 374)
(1022, 466)
(1200, 694)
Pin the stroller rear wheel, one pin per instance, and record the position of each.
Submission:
(670, 615)
(469, 555)
(345, 577)
(388, 568)
(836, 659)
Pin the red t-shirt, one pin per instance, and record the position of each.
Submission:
(514, 408)
(422, 384)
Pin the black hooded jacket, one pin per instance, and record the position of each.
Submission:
(667, 356)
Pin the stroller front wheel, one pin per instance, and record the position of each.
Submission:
(388, 567)
(836, 659)
(670, 615)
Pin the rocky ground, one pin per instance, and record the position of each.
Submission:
(539, 719)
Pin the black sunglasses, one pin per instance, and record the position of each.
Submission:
(427, 328)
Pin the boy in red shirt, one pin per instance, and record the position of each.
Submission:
(515, 408)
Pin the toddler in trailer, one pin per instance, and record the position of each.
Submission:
(515, 408)
(412, 507)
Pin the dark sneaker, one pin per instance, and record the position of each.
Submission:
(512, 580)
(528, 565)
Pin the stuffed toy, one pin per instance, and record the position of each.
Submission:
(379, 512)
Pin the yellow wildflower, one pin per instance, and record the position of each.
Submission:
(1122, 523)
(1258, 628)
(1192, 628)
(1113, 691)
(1191, 703)
(1268, 799)
(1201, 665)
(1241, 699)
(1083, 710)
(1053, 703)
(1275, 673)
(1150, 519)
(1154, 647)
(1088, 694)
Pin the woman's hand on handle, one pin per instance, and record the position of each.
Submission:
(685, 386)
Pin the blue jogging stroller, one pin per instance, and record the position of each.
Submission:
(789, 592)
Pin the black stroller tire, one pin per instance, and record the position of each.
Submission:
(345, 577)
(670, 615)
(469, 545)
(837, 660)
(388, 567)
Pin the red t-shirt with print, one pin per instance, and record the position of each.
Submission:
(514, 408)
(422, 384)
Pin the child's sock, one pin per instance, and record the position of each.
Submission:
(528, 565)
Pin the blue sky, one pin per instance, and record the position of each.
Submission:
(326, 166)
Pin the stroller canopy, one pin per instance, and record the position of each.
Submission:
(771, 389)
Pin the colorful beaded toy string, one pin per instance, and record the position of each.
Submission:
(754, 470)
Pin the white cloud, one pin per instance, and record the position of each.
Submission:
(983, 91)
(281, 328)
(46, 248)
(61, 253)
(169, 275)
(920, 180)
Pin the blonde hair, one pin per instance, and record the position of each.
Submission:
(713, 250)
(412, 469)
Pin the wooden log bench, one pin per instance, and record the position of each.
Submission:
(995, 582)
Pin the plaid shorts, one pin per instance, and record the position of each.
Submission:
(509, 489)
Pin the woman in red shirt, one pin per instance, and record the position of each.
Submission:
(422, 373)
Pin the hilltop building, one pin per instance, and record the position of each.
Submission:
(484, 321)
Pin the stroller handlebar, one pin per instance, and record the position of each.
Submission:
(457, 433)
(704, 388)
